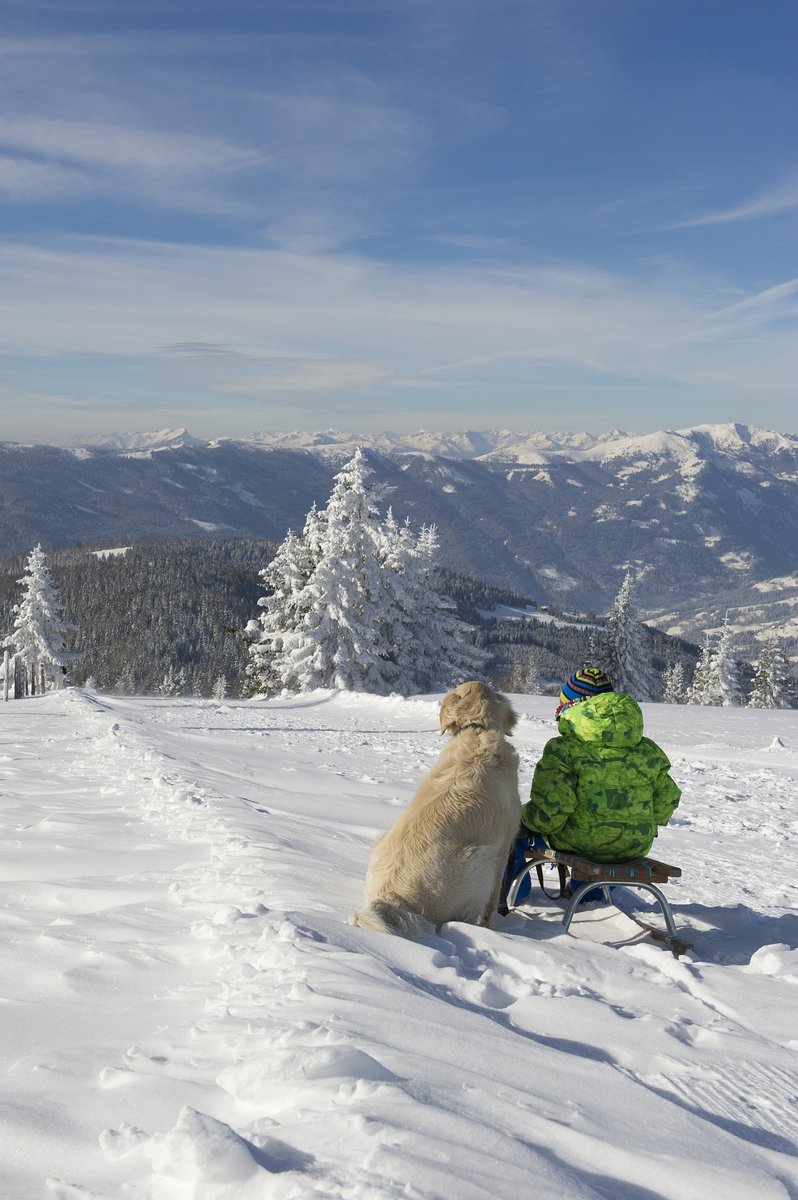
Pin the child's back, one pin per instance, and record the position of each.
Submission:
(601, 788)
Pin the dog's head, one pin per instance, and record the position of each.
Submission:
(477, 705)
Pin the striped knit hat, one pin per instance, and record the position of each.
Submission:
(584, 683)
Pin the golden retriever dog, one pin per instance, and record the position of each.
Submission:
(444, 857)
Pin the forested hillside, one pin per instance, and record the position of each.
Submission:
(175, 608)
(156, 606)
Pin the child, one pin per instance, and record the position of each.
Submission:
(601, 788)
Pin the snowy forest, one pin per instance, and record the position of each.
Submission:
(178, 608)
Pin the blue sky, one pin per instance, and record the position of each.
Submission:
(394, 214)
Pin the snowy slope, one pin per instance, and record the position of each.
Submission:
(187, 1016)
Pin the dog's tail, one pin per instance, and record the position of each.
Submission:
(388, 916)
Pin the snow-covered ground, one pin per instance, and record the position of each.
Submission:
(186, 1014)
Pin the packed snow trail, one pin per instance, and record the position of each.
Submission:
(92, 951)
(187, 1014)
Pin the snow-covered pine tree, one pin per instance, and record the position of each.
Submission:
(784, 680)
(174, 682)
(716, 678)
(673, 688)
(287, 603)
(762, 687)
(626, 661)
(220, 689)
(352, 603)
(341, 610)
(770, 688)
(700, 688)
(402, 563)
(436, 649)
(37, 638)
(725, 673)
(285, 578)
(530, 675)
(597, 645)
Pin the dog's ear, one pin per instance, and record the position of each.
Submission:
(508, 720)
(451, 702)
(497, 711)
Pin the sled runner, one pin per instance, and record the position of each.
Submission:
(642, 873)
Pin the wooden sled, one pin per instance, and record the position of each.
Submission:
(642, 873)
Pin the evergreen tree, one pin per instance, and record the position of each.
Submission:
(402, 562)
(716, 678)
(784, 682)
(434, 647)
(336, 641)
(352, 603)
(220, 689)
(770, 688)
(174, 682)
(700, 689)
(673, 687)
(530, 679)
(284, 606)
(627, 662)
(725, 677)
(597, 649)
(38, 636)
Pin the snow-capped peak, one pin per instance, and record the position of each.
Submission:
(161, 440)
(682, 446)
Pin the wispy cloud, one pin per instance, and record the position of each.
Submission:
(54, 156)
(781, 198)
(267, 378)
(113, 146)
(201, 352)
(312, 162)
(24, 179)
(763, 302)
(304, 379)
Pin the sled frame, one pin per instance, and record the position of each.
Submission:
(641, 873)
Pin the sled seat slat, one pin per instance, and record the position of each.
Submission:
(644, 869)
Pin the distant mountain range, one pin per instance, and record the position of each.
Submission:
(707, 516)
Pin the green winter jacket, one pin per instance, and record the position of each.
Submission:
(601, 789)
